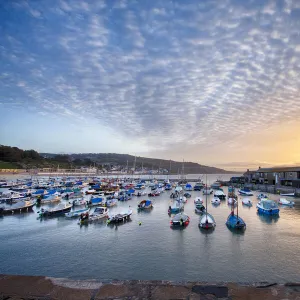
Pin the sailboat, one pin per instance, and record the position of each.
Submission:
(234, 221)
(207, 221)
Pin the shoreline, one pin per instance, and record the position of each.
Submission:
(17, 287)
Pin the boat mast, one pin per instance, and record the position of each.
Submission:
(206, 197)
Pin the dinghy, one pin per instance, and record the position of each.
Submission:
(231, 201)
(145, 204)
(198, 200)
(245, 192)
(215, 201)
(220, 194)
(76, 213)
(283, 201)
(247, 201)
(180, 219)
(262, 196)
(199, 209)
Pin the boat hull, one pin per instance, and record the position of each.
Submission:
(270, 212)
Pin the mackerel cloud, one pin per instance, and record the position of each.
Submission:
(188, 72)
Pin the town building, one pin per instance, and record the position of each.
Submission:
(285, 176)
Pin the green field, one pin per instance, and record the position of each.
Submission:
(8, 165)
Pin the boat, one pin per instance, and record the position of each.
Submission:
(176, 207)
(139, 194)
(180, 219)
(198, 200)
(76, 213)
(188, 187)
(207, 191)
(216, 185)
(178, 189)
(220, 194)
(110, 202)
(283, 201)
(247, 201)
(182, 199)
(288, 194)
(49, 199)
(168, 187)
(79, 202)
(207, 221)
(98, 214)
(187, 195)
(261, 196)
(232, 201)
(199, 209)
(94, 201)
(19, 207)
(268, 207)
(215, 201)
(198, 186)
(145, 204)
(60, 209)
(119, 217)
(245, 192)
(235, 221)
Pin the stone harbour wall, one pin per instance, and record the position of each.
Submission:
(13, 287)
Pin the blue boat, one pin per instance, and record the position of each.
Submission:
(267, 207)
(94, 201)
(168, 187)
(235, 221)
(76, 213)
(188, 187)
(145, 204)
(176, 207)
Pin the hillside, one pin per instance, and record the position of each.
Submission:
(13, 157)
(109, 160)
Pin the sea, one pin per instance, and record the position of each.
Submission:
(147, 248)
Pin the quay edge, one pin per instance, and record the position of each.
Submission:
(15, 287)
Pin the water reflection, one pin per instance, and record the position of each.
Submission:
(269, 219)
(236, 231)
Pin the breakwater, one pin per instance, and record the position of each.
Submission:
(39, 287)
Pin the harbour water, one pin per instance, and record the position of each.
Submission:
(267, 251)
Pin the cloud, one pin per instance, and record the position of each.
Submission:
(166, 73)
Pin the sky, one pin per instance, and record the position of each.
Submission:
(214, 82)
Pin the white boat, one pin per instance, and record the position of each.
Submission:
(220, 194)
(198, 200)
(182, 199)
(79, 202)
(215, 201)
(283, 201)
(207, 221)
(50, 199)
(76, 213)
(247, 202)
(97, 214)
(246, 192)
(262, 196)
(207, 191)
(231, 201)
(288, 195)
